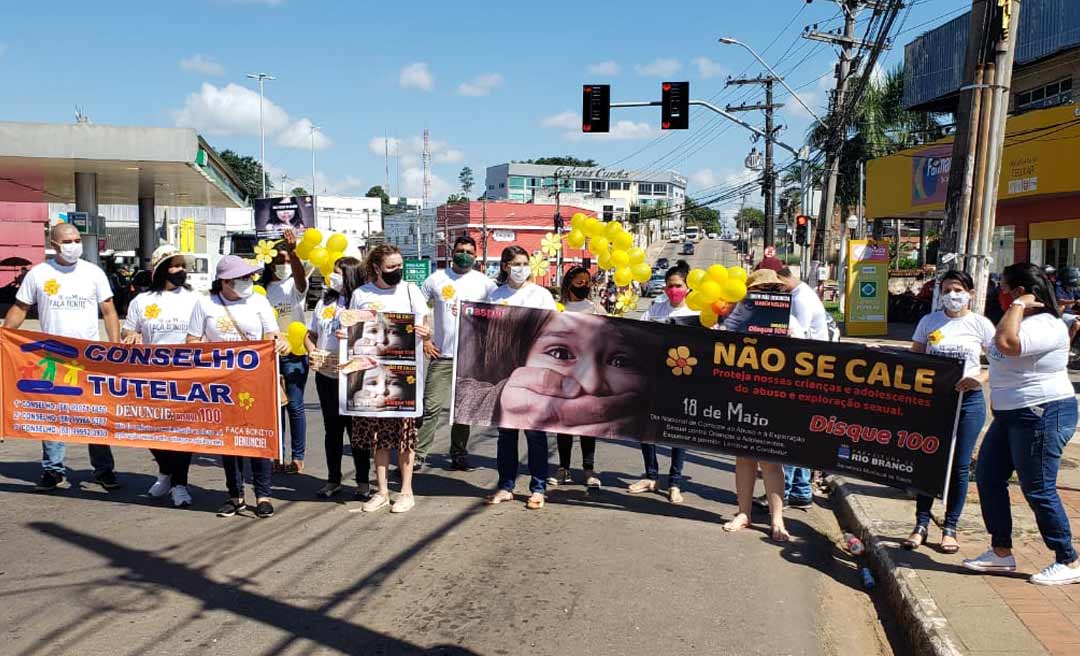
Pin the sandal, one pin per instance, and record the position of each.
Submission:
(949, 548)
(916, 539)
(499, 497)
(535, 502)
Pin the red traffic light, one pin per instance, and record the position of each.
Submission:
(801, 220)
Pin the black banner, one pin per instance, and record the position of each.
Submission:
(274, 215)
(880, 415)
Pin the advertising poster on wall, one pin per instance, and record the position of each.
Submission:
(867, 305)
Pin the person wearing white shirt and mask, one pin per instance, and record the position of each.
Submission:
(162, 315)
(68, 293)
(445, 290)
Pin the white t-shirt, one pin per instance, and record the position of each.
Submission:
(584, 307)
(1038, 375)
(661, 311)
(964, 338)
(288, 301)
(210, 321)
(809, 310)
(445, 289)
(528, 295)
(67, 297)
(161, 317)
(403, 297)
(323, 326)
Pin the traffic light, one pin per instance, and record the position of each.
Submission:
(596, 108)
(802, 230)
(675, 106)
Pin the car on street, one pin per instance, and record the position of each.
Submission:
(662, 263)
(655, 285)
(688, 248)
(713, 235)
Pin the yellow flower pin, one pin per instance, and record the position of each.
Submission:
(51, 286)
(680, 361)
(935, 337)
(560, 307)
(225, 325)
(328, 312)
(265, 252)
(626, 302)
(447, 293)
(152, 311)
(245, 400)
(551, 244)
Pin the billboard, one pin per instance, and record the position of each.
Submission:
(274, 215)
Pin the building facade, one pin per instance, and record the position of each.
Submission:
(414, 233)
(356, 217)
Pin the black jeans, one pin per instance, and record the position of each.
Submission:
(566, 447)
(336, 425)
(174, 464)
(234, 475)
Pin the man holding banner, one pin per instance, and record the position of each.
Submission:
(68, 292)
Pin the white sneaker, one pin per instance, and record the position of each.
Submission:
(991, 562)
(1057, 574)
(181, 498)
(161, 486)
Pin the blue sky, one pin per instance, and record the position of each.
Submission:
(491, 81)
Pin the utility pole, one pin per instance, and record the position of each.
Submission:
(556, 191)
(483, 228)
(261, 77)
(768, 176)
(284, 177)
(314, 191)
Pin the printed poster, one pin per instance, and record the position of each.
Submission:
(383, 371)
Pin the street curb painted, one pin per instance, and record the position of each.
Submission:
(917, 613)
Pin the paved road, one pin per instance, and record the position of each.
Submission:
(84, 571)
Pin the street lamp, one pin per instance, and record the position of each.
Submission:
(314, 191)
(727, 40)
(261, 77)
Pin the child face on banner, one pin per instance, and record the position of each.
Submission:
(379, 386)
(372, 340)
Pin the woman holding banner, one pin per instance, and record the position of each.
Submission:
(1034, 418)
(161, 315)
(322, 346)
(518, 290)
(955, 332)
(385, 292)
(574, 294)
(234, 313)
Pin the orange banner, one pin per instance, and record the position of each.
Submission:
(206, 398)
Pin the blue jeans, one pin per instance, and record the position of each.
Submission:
(52, 457)
(234, 475)
(972, 418)
(294, 368)
(652, 467)
(797, 483)
(1023, 441)
(336, 425)
(507, 459)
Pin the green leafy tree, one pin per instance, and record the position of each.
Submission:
(750, 217)
(702, 216)
(456, 198)
(248, 170)
(466, 180)
(378, 192)
(300, 191)
(562, 161)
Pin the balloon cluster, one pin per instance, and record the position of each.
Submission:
(322, 257)
(613, 247)
(715, 291)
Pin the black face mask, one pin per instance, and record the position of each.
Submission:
(580, 293)
(392, 277)
(177, 279)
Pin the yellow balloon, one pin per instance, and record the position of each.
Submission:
(318, 256)
(612, 229)
(733, 291)
(303, 250)
(326, 269)
(295, 334)
(642, 272)
(623, 276)
(710, 291)
(603, 261)
(312, 236)
(619, 258)
(337, 243)
(695, 302)
(259, 289)
(577, 222)
(592, 227)
(576, 238)
(708, 318)
(718, 273)
(637, 255)
(332, 259)
(695, 278)
(737, 272)
(598, 245)
(623, 240)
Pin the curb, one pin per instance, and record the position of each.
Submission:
(917, 613)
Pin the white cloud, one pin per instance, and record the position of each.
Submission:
(202, 64)
(662, 67)
(708, 68)
(228, 110)
(620, 131)
(410, 150)
(449, 156)
(816, 97)
(703, 178)
(706, 177)
(298, 135)
(412, 182)
(608, 67)
(566, 120)
(481, 85)
(417, 76)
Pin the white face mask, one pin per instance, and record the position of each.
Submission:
(519, 273)
(71, 253)
(336, 282)
(282, 271)
(243, 287)
(956, 301)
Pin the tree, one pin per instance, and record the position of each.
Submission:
(456, 198)
(702, 216)
(248, 170)
(466, 179)
(378, 192)
(300, 191)
(562, 161)
(750, 217)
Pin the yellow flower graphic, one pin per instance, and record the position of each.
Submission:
(410, 379)
(935, 337)
(51, 286)
(245, 400)
(328, 312)
(551, 244)
(447, 292)
(539, 265)
(680, 361)
(152, 311)
(374, 306)
(225, 325)
(265, 252)
(626, 301)
(560, 307)
(410, 328)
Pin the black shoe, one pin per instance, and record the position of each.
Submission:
(264, 509)
(107, 480)
(801, 504)
(461, 463)
(230, 508)
(50, 481)
(328, 490)
(362, 493)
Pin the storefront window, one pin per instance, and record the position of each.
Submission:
(1002, 248)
